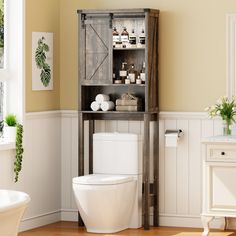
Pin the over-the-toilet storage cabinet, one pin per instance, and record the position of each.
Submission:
(97, 59)
(219, 178)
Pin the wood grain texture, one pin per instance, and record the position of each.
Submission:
(72, 229)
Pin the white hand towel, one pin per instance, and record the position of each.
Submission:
(107, 105)
(102, 98)
(95, 106)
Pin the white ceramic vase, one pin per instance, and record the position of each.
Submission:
(9, 133)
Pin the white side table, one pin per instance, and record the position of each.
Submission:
(219, 179)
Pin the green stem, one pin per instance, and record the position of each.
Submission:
(227, 127)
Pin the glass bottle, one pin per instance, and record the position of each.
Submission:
(123, 72)
(142, 73)
(114, 76)
(124, 38)
(132, 39)
(116, 37)
(142, 38)
(138, 80)
(132, 74)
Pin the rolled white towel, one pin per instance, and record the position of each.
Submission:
(95, 106)
(107, 105)
(102, 98)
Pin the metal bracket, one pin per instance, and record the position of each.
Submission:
(83, 18)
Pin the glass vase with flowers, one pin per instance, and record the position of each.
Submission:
(225, 107)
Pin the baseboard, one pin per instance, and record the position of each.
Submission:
(188, 221)
(164, 220)
(69, 215)
(40, 220)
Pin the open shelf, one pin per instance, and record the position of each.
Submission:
(118, 115)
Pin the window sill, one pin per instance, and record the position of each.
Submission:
(6, 145)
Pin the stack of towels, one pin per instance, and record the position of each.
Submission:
(102, 102)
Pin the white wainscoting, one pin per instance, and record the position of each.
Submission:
(180, 168)
(41, 172)
(51, 161)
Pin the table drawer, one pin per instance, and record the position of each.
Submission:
(221, 153)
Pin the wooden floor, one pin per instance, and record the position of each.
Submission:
(71, 229)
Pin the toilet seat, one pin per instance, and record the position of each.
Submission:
(101, 179)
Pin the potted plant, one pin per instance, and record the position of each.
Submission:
(9, 130)
(13, 131)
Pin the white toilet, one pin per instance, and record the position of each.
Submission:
(110, 200)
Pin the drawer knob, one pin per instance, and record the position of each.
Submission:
(222, 153)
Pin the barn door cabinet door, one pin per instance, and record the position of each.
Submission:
(95, 49)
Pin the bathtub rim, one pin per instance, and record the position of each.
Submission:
(18, 203)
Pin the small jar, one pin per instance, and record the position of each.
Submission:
(127, 81)
(118, 81)
(138, 80)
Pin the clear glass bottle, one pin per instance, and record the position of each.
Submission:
(114, 75)
(123, 72)
(116, 37)
(132, 74)
(138, 80)
(142, 38)
(127, 80)
(132, 39)
(142, 73)
(124, 38)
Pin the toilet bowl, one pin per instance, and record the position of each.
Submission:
(110, 200)
(105, 202)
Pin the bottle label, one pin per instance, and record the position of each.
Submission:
(142, 40)
(132, 77)
(124, 38)
(132, 40)
(142, 76)
(123, 73)
(116, 38)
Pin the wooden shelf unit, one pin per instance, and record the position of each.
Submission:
(97, 61)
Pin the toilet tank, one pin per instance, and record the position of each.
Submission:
(117, 153)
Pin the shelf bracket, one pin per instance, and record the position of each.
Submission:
(83, 18)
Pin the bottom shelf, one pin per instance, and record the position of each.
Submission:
(118, 115)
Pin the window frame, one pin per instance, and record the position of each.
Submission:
(4, 72)
(13, 72)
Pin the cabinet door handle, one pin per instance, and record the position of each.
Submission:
(222, 153)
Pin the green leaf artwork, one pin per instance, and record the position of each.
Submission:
(40, 59)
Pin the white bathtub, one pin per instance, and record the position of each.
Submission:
(12, 207)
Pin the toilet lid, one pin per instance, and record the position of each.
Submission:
(99, 179)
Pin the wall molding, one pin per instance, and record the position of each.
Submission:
(43, 114)
(182, 115)
(230, 53)
(74, 113)
(40, 220)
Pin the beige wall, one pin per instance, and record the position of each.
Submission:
(69, 51)
(42, 16)
(192, 50)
